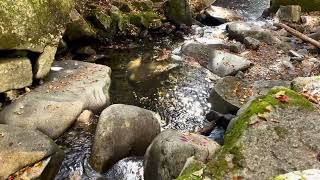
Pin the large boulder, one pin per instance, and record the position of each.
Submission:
(21, 147)
(32, 25)
(122, 130)
(15, 73)
(55, 105)
(168, 153)
(275, 134)
(306, 5)
(241, 30)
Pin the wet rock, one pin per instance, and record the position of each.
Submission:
(295, 56)
(241, 30)
(78, 28)
(32, 25)
(178, 12)
(220, 15)
(20, 147)
(55, 105)
(268, 123)
(217, 134)
(44, 62)
(85, 117)
(225, 64)
(228, 94)
(166, 156)
(236, 47)
(122, 130)
(309, 174)
(252, 43)
(290, 13)
(15, 73)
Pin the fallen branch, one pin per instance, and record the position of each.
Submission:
(299, 34)
(315, 36)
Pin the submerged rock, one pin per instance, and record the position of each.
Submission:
(20, 147)
(55, 105)
(166, 156)
(122, 130)
(15, 73)
(140, 71)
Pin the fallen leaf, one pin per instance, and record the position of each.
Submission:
(263, 116)
(282, 97)
(198, 173)
(269, 108)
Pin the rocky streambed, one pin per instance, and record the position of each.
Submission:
(237, 100)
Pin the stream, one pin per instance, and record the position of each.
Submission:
(179, 96)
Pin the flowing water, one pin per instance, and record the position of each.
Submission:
(179, 96)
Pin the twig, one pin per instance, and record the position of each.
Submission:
(299, 34)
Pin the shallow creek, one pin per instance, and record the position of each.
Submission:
(179, 96)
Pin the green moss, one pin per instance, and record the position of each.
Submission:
(32, 24)
(142, 19)
(281, 132)
(143, 5)
(219, 167)
(187, 174)
(306, 5)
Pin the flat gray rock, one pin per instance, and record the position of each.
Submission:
(55, 105)
(20, 147)
(241, 30)
(225, 64)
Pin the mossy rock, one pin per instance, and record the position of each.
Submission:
(306, 5)
(79, 28)
(178, 12)
(276, 133)
(32, 24)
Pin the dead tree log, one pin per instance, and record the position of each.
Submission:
(299, 34)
